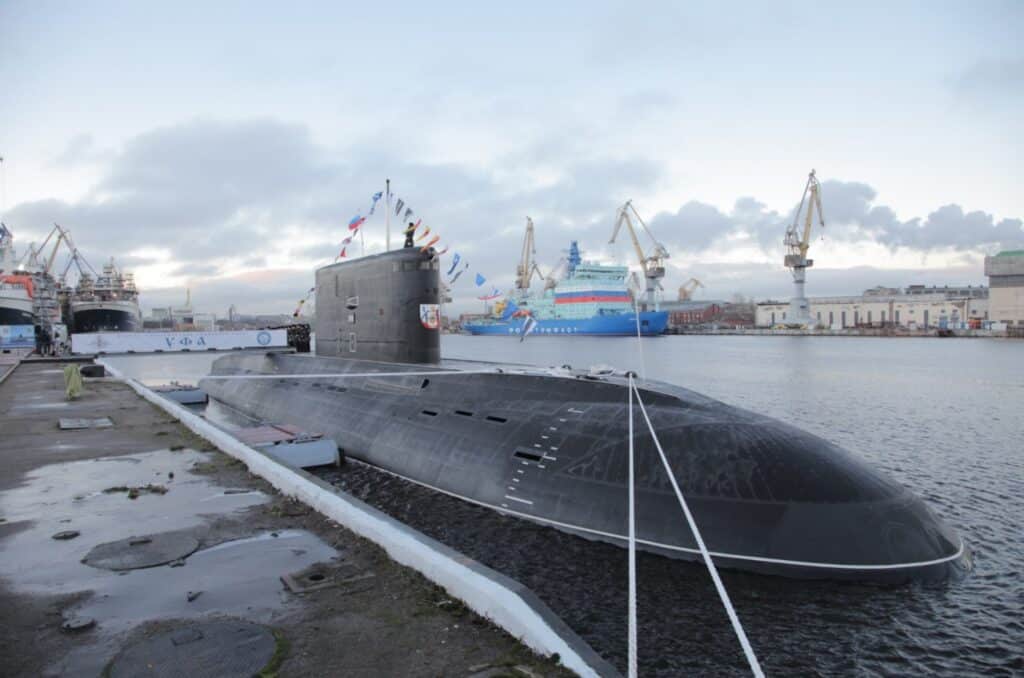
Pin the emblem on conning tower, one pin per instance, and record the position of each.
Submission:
(430, 316)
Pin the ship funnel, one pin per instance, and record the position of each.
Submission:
(382, 307)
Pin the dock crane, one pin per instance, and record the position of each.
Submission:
(527, 261)
(687, 289)
(75, 259)
(556, 274)
(798, 241)
(653, 265)
(56, 246)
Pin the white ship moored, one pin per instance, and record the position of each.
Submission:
(15, 305)
(15, 285)
(107, 304)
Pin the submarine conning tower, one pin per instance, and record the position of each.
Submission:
(382, 307)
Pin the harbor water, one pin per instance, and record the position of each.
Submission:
(942, 416)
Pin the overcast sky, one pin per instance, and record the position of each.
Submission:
(224, 147)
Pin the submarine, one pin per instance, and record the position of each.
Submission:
(551, 445)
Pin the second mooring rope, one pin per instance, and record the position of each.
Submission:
(755, 666)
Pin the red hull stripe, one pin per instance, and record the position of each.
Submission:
(583, 300)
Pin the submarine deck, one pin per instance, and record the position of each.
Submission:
(779, 500)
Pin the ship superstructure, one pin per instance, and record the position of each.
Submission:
(107, 303)
(591, 299)
(15, 286)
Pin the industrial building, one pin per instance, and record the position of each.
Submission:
(689, 312)
(1005, 273)
(180, 318)
(916, 308)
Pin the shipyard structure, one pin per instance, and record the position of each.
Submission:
(1005, 273)
(914, 308)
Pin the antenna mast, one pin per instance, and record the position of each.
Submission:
(387, 215)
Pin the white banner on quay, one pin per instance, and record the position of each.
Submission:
(149, 342)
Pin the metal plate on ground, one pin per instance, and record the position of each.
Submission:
(138, 552)
(213, 648)
(77, 424)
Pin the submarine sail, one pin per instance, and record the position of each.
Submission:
(550, 446)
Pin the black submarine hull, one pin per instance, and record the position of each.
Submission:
(552, 447)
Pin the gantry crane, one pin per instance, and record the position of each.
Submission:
(687, 289)
(798, 241)
(527, 261)
(653, 265)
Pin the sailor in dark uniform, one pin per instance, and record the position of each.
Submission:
(408, 234)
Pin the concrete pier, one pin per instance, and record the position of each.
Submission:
(179, 539)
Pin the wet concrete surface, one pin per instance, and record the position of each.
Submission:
(359, 614)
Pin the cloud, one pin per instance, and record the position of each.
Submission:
(696, 225)
(81, 150)
(851, 215)
(950, 226)
(998, 78)
(199, 189)
(205, 192)
(211, 202)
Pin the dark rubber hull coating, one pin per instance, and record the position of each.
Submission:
(553, 448)
(104, 320)
(15, 316)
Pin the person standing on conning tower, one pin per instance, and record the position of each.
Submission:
(408, 234)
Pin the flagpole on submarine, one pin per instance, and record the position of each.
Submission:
(387, 215)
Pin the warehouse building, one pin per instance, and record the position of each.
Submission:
(684, 313)
(916, 307)
(1005, 273)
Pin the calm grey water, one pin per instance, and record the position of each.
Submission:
(943, 416)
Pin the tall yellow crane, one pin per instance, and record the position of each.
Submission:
(62, 236)
(687, 289)
(798, 241)
(56, 246)
(527, 261)
(653, 265)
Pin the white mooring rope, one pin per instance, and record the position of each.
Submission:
(755, 666)
(639, 340)
(632, 545)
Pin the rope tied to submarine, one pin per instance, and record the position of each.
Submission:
(748, 650)
(632, 543)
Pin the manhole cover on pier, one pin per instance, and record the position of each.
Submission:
(211, 649)
(138, 552)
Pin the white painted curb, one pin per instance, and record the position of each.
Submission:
(504, 607)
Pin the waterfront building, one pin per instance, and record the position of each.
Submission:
(916, 307)
(1005, 273)
(682, 313)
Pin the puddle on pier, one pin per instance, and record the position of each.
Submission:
(70, 496)
(238, 578)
